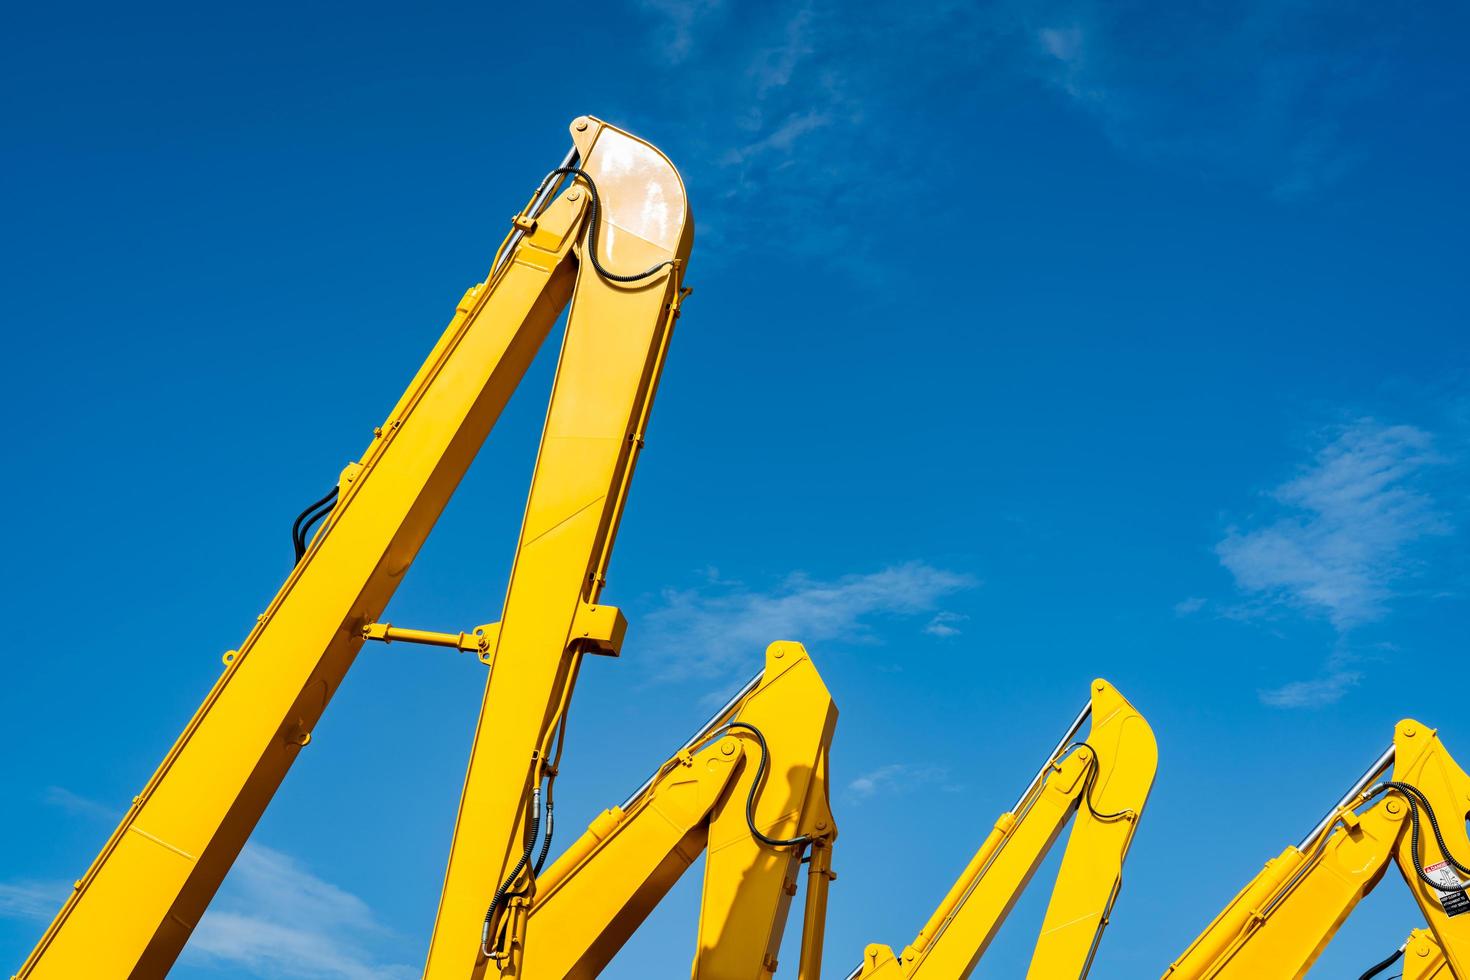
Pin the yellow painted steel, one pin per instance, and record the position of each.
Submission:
(1282, 920)
(133, 910)
(1121, 746)
(1423, 959)
(592, 899)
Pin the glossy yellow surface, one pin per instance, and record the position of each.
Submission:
(1282, 920)
(1423, 959)
(616, 339)
(134, 909)
(590, 901)
(951, 944)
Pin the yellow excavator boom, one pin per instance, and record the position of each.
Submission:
(1281, 921)
(613, 243)
(1103, 781)
(750, 791)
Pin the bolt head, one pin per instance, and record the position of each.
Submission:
(728, 748)
(580, 125)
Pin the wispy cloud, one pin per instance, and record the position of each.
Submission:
(1350, 517)
(705, 630)
(33, 900)
(839, 121)
(894, 777)
(77, 805)
(685, 20)
(276, 919)
(1189, 606)
(943, 624)
(272, 917)
(1254, 90)
(1337, 541)
(1324, 690)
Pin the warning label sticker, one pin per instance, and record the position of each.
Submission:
(1455, 901)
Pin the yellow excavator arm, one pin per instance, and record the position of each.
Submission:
(1281, 921)
(1423, 959)
(749, 790)
(1103, 781)
(608, 232)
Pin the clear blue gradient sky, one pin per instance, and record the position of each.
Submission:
(1030, 342)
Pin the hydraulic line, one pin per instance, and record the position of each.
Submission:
(1416, 798)
(301, 527)
(594, 222)
(755, 785)
(1093, 767)
(533, 830)
(1382, 964)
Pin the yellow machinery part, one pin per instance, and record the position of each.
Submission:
(131, 913)
(1282, 920)
(1117, 760)
(592, 899)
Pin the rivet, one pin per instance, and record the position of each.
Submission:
(1393, 806)
(728, 748)
(1409, 732)
(574, 195)
(580, 125)
(780, 653)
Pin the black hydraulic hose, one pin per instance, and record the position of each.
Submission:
(550, 828)
(594, 221)
(302, 525)
(1382, 964)
(755, 785)
(533, 830)
(1093, 768)
(1416, 798)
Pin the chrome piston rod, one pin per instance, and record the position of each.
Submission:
(715, 721)
(1380, 766)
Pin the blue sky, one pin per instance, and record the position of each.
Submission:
(1030, 342)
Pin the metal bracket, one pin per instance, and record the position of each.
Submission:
(601, 627)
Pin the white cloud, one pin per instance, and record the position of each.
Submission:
(821, 141)
(34, 900)
(684, 19)
(276, 919)
(1325, 690)
(272, 917)
(1189, 606)
(60, 796)
(1195, 89)
(1350, 517)
(895, 776)
(703, 631)
(943, 624)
